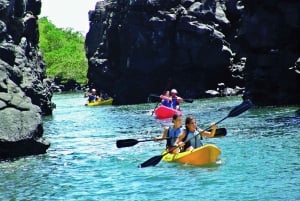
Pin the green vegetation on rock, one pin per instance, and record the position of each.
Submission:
(63, 51)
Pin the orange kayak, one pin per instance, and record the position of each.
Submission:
(200, 156)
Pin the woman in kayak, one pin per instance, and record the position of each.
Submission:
(172, 132)
(166, 99)
(194, 134)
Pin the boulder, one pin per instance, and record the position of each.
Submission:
(25, 92)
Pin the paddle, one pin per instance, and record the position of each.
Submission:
(184, 99)
(220, 132)
(131, 142)
(244, 106)
(155, 108)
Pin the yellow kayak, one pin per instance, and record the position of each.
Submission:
(101, 102)
(200, 156)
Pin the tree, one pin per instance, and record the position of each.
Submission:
(63, 51)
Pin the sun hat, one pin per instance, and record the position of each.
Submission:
(174, 91)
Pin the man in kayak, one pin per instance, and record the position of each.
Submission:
(195, 135)
(172, 132)
(175, 100)
(92, 97)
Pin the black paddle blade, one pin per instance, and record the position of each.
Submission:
(244, 106)
(188, 100)
(126, 143)
(151, 162)
(220, 132)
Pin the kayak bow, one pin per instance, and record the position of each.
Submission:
(163, 112)
(200, 156)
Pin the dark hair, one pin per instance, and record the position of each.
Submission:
(189, 119)
(175, 116)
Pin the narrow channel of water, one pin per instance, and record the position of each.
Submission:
(259, 161)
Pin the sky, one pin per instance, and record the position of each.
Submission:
(68, 13)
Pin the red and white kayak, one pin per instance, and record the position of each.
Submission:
(163, 112)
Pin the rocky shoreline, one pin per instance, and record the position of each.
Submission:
(25, 92)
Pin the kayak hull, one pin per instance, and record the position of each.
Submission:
(163, 112)
(200, 156)
(102, 102)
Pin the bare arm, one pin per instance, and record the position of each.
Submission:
(211, 133)
(165, 97)
(179, 99)
(164, 135)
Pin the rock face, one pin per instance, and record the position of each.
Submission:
(135, 48)
(25, 93)
(269, 34)
(138, 47)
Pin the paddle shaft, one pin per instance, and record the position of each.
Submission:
(131, 142)
(185, 100)
(234, 112)
(155, 108)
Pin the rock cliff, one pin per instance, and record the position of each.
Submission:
(137, 47)
(25, 93)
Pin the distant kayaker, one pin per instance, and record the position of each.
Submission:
(166, 99)
(172, 132)
(92, 97)
(175, 100)
(189, 132)
(104, 96)
(172, 100)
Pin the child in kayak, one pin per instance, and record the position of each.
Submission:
(195, 135)
(172, 132)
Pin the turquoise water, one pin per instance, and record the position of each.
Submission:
(259, 161)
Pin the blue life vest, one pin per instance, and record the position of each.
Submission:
(166, 103)
(92, 97)
(174, 103)
(195, 141)
(172, 134)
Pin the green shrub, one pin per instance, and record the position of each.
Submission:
(63, 51)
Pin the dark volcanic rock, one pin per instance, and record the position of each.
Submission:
(269, 37)
(138, 47)
(25, 92)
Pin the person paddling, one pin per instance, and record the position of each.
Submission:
(172, 132)
(166, 99)
(92, 97)
(175, 100)
(189, 132)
